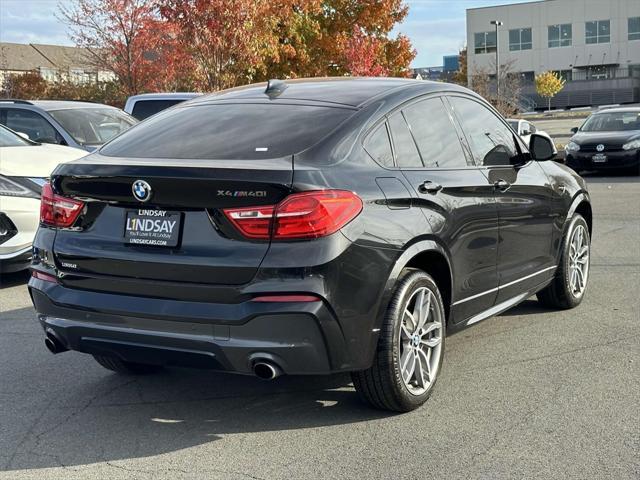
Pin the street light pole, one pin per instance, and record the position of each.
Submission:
(497, 23)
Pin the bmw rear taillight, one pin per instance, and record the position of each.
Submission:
(303, 215)
(58, 211)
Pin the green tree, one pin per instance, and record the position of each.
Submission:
(548, 84)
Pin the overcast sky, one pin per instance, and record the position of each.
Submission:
(435, 27)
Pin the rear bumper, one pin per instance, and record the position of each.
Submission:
(615, 160)
(16, 261)
(301, 338)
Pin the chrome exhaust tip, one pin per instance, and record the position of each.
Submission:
(266, 370)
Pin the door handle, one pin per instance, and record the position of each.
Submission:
(501, 185)
(429, 187)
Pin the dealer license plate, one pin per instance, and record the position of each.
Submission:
(152, 227)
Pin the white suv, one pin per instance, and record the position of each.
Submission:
(24, 168)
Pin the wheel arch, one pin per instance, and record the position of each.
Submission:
(426, 255)
(430, 257)
(584, 209)
(581, 204)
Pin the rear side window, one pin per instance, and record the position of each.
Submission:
(492, 142)
(145, 108)
(406, 151)
(435, 134)
(32, 124)
(228, 131)
(377, 144)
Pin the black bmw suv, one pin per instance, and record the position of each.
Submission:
(307, 227)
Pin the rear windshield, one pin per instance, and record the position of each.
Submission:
(228, 131)
(94, 125)
(145, 108)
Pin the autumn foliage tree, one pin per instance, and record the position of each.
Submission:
(27, 85)
(127, 38)
(363, 55)
(548, 85)
(207, 45)
(324, 38)
(252, 40)
(228, 41)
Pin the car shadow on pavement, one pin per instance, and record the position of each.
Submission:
(8, 280)
(135, 418)
(65, 410)
(528, 307)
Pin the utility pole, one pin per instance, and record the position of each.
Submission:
(497, 23)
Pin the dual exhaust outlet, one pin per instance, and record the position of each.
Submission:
(262, 368)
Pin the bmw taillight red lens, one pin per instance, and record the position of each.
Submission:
(253, 222)
(299, 216)
(58, 211)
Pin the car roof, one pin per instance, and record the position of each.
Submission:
(66, 104)
(345, 91)
(618, 110)
(164, 96)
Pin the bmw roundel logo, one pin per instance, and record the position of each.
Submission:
(141, 190)
(600, 147)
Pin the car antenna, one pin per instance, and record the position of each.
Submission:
(275, 87)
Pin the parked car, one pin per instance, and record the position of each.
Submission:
(312, 227)
(524, 128)
(24, 167)
(76, 124)
(147, 104)
(608, 139)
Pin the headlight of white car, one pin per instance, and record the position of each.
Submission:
(572, 147)
(633, 144)
(15, 188)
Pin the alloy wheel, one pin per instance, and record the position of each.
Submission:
(420, 341)
(578, 261)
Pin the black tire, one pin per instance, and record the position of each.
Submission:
(128, 368)
(559, 294)
(382, 385)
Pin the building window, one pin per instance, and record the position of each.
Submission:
(634, 28)
(484, 42)
(599, 72)
(527, 77)
(566, 75)
(598, 31)
(520, 39)
(560, 35)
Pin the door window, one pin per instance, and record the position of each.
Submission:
(377, 145)
(491, 141)
(33, 124)
(406, 151)
(435, 134)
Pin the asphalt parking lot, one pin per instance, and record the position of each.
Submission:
(531, 393)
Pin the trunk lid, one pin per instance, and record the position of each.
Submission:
(192, 194)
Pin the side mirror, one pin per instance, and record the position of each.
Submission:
(574, 130)
(23, 135)
(525, 132)
(541, 148)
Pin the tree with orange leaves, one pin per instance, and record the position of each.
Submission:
(128, 38)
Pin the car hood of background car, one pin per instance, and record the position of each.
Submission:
(605, 137)
(35, 160)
